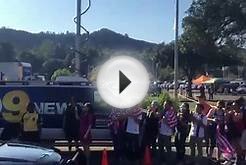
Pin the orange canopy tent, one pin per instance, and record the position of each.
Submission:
(201, 79)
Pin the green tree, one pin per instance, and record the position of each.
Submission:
(165, 54)
(60, 72)
(224, 20)
(89, 58)
(193, 55)
(161, 55)
(51, 65)
(60, 52)
(69, 59)
(33, 59)
(46, 49)
(7, 53)
(210, 37)
(166, 74)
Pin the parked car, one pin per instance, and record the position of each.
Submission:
(239, 82)
(194, 87)
(19, 153)
(241, 89)
(228, 88)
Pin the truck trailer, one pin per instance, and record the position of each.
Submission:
(15, 71)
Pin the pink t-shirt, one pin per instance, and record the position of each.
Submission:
(206, 107)
(85, 121)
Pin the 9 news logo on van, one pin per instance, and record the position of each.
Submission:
(13, 105)
(50, 102)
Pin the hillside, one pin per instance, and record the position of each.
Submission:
(49, 51)
(106, 38)
(103, 39)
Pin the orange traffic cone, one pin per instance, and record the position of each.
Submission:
(147, 157)
(105, 158)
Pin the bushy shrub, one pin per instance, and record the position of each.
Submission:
(160, 99)
(60, 72)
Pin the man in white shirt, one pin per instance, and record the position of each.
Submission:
(168, 123)
(132, 133)
(133, 124)
(197, 132)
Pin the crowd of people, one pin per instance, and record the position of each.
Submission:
(158, 128)
(222, 126)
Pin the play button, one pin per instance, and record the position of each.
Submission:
(122, 82)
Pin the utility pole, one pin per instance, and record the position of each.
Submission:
(176, 68)
(77, 38)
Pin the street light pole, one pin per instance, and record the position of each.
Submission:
(77, 37)
(176, 50)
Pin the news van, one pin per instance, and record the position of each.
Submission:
(51, 101)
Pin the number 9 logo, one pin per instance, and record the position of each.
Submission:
(14, 104)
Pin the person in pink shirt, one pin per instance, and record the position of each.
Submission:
(86, 123)
(206, 106)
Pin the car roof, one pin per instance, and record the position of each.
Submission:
(20, 152)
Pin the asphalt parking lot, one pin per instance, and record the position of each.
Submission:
(96, 157)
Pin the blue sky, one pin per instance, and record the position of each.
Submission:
(150, 20)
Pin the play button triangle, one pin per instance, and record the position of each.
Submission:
(123, 82)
